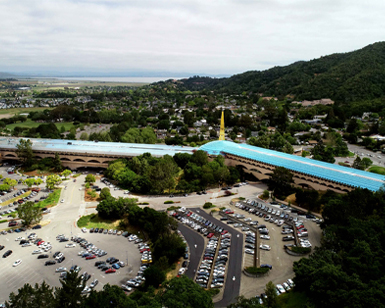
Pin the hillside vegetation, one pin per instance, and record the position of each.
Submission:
(344, 77)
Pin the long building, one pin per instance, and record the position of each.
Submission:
(258, 161)
(77, 153)
(307, 172)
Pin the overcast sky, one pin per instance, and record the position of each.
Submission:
(193, 36)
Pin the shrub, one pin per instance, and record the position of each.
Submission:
(213, 292)
(173, 208)
(168, 202)
(256, 270)
(301, 250)
(265, 194)
(208, 205)
(241, 198)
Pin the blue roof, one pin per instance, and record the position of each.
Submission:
(108, 148)
(332, 172)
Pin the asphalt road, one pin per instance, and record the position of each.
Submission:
(234, 267)
(194, 239)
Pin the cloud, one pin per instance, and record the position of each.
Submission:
(214, 37)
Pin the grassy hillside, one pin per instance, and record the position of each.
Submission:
(345, 77)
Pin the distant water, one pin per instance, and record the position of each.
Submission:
(119, 79)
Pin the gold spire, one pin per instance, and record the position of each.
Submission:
(222, 129)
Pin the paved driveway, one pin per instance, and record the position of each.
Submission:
(233, 274)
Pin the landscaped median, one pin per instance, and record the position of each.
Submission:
(51, 201)
(94, 221)
(252, 271)
(26, 194)
(297, 251)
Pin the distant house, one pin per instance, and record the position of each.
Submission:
(271, 129)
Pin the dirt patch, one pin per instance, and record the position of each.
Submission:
(93, 128)
(88, 197)
(292, 199)
(6, 116)
(37, 173)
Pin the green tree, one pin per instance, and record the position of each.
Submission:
(366, 163)
(10, 182)
(154, 276)
(243, 302)
(110, 296)
(52, 181)
(270, 291)
(84, 136)
(4, 187)
(29, 182)
(105, 193)
(69, 294)
(66, 173)
(90, 178)
(24, 152)
(280, 181)
(29, 214)
(28, 296)
(58, 166)
(182, 292)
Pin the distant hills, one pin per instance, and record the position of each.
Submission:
(343, 77)
(4, 75)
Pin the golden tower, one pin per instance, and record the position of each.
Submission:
(222, 129)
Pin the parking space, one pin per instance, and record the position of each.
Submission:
(281, 262)
(32, 270)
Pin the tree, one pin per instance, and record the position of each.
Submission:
(29, 214)
(4, 187)
(58, 166)
(10, 182)
(270, 291)
(52, 181)
(90, 178)
(66, 173)
(84, 136)
(182, 292)
(280, 181)
(366, 163)
(69, 294)
(29, 182)
(24, 152)
(243, 302)
(28, 296)
(105, 193)
(154, 276)
(110, 296)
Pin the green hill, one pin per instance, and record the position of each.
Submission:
(345, 77)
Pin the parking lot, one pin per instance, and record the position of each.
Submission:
(32, 270)
(281, 262)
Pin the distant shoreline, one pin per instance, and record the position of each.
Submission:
(111, 79)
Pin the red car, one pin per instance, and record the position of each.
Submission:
(39, 243)
(210, 235)
(110, 270)
(145, 249)
(224, 232)
(229, 212)
(90, 257)
(189, 214)
(300, 227)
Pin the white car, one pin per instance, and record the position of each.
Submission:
(59, 256)
(286, 286)
(264, 237)
(181, 271)
(61, 269)
(94, 283)
(62, 201)
(126, 288)
(17, 262)
(249, 251)
(71, 245)
(265, 247)
(86, 290)
(37, 251)
(26, 245)
(280, 288)
(84, 230)
(19, 238)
